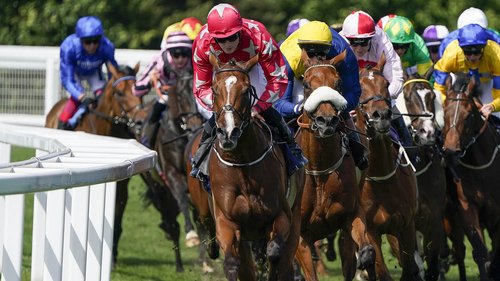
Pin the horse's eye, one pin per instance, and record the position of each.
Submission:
(120, 93)
(306, 86)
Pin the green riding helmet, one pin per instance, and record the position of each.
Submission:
(400, 30)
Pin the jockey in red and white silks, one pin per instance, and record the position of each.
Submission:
(268, 76)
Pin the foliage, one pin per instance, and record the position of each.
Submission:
(140, 23)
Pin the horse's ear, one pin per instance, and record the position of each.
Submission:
(112, 69)
(251, 62)
(471, 86)
(448, 84)
(429, 72)
(214, 61)
(338, 58)
(381, 62)
(136, 67)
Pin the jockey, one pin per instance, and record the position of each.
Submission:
(433, 36)
(409, 46)
(82, 54)
(294, 25)
(472, 53)
(469, 16)
(319, 40)
(383, 20)
(191, 26)
(228, 36)
(160, 75)
(369, 43)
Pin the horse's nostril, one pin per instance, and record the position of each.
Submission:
(320, 120)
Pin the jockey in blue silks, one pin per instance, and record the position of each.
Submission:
(81, 56)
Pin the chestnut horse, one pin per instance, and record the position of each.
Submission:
(330, 200)
(249, 180)
(471, 145)
(389, 189)
(423, 113)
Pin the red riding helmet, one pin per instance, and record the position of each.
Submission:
(224, 20)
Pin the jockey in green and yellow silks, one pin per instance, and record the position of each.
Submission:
(409, 46)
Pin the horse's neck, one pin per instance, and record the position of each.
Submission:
(382, 153)
(321, 151)
(485, 143)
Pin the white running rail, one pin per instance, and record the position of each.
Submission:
(72, 177)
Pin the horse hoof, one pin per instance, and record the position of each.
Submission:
(207, 268)
(366, 257)
(192, 239)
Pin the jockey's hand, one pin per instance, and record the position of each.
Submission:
(89, 102)
(352, 113)
(255, 114)
(486, 110)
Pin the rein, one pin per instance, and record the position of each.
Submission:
(260, 158)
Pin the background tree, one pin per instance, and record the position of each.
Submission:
(140, 23)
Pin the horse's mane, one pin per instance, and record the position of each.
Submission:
(460, 84)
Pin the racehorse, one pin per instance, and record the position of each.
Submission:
(471, 145)
(330, 200)
(389, 189)
(117, 105)
(176, 128)
(248, 179)
(423, 114)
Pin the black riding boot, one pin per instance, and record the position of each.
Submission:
(63, 126)
(203, 148)
(150, 130)
(276, 120)
(402, 130)
(357, 149)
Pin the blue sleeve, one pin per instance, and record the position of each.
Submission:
(285, 105)
(109, 52)
(496, 82)
(348, 70)
(493, 36)
(440, 77)
(446, 41)
(67, 68)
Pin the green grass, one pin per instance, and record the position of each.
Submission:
(144, 253)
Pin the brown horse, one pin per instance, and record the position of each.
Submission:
(117, 105)
(424, 115)
(330, 200)
(471, 146)
(249, 180)
(389, 191)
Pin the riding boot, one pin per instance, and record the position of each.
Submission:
(203, 148)
(150, 130)
(61, 125)
(357, 149)
(402, 130)
(276, 120)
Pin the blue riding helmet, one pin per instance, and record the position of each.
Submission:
(472, 34)
(89, 26)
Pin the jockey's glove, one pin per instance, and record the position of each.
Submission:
(87, 101)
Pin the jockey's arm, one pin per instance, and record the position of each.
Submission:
(67, 68)
(286, 105)
(349, 74)
(202, 81)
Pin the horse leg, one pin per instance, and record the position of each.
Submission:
(120, 203)
(180, 193)
(226, 235)
(432, 247)
(163, 200)
(473, 231)
(247, 268)
(347, 250)
(380, 266)
(494, 270)
(356, 228)
(407, 251)
(304, 257)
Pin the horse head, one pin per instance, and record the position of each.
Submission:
(374, 109)
(424, 110)
(322, 98)
(233, 98)
(118, 102)
(463, 121)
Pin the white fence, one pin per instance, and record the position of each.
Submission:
(30, 82)
(72, 227)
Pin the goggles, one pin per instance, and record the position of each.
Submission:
(231, 38)
(91, 40)
(363, 42)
